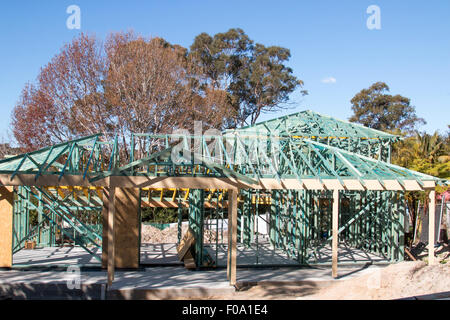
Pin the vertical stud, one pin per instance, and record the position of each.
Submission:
(111, 251)
(431, 226)
(233, 204)
(335, 239)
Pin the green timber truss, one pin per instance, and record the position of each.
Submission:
(76, 157)
(305, 153)
(327, 130)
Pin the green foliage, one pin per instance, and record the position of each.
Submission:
(375, 108)
(429, 154)
(159, 215)
(424, 153)
(129, 83)
(441, 170)
(254, 76)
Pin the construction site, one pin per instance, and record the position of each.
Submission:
(301, 199)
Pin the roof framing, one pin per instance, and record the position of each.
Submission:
(310, 124)
(284, 154)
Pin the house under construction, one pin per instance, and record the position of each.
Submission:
(298, 190)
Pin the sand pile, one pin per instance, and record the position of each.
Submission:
(400, 280)
(151, 234)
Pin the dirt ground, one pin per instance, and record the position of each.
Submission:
(400, 280)
(420, 251)
(150, 234)
(443, 254)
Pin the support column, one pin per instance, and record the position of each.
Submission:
(6, 226)
(229, 228)
(180, 218)
(39, 211)
(431, 226)
(111, 244)
(272, 215)
(335, 227)
(105, 225)
(196, 220)
(401, 228)
(232, 211)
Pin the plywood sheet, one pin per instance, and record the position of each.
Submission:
(126, 227)
(6, 226)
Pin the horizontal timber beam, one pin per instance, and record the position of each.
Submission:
(212, 182)
(174, 204)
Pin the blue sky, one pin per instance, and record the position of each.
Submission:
(327, 39)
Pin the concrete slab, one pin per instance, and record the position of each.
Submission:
(52, 285)
(252, 255)
(321, 275)
(166, 254)
(160, 253)
(169, 283)
(264, 253)
(346, 254)
(158, 282)
(57, 256)
(46, 277)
